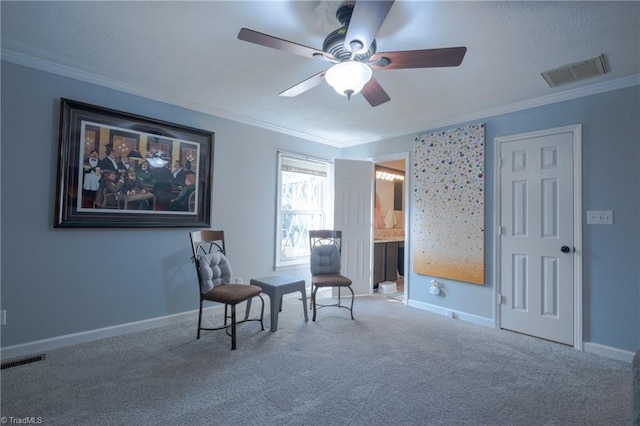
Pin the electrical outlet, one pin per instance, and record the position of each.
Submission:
(3, 317)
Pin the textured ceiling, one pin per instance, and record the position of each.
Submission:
(188, 54)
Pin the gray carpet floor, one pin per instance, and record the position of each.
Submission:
(393, 365)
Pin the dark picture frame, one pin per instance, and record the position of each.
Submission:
(120, 170)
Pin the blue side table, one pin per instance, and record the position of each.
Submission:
(277, 286)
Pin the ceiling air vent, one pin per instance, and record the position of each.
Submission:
(575, 72)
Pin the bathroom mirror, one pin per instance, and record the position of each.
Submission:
(389, 203)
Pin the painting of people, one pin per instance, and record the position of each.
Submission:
(113, 173)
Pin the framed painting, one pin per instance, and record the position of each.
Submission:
(123, 170)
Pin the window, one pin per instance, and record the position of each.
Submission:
(304, 202)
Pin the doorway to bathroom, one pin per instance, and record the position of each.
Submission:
(390, 227)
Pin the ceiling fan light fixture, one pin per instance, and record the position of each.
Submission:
(348, 77)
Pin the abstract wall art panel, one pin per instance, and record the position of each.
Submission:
(448, 204)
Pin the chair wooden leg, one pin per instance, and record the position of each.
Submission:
(233, 327)
(199, 319)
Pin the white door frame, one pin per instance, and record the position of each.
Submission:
(577, 213)
(407, 190)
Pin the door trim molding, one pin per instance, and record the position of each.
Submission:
(407, 208)
(576, 131)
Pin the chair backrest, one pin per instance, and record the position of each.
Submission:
(208, 242)
(323, 237)
(326, 248)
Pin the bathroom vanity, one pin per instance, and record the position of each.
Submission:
(387, 254)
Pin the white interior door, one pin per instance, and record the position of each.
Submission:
(353, 189)
(537, 241)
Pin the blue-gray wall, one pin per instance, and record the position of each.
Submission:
(61, 281)
(58, 282)
(611, 181)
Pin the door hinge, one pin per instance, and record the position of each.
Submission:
(500, 299)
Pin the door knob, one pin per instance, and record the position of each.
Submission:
(565, 249)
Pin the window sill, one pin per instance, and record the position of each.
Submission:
(288, 266)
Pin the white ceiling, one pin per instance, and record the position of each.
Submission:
(187, 53)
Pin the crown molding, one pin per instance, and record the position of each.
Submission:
(608, 86)
(87, 77)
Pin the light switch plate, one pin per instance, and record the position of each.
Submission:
(600, 217)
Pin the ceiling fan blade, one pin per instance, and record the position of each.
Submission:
(374, 93)
(251, 36)
(366, 20)
(305, 85)
(426, 58)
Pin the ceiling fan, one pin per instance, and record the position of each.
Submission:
(352, 51)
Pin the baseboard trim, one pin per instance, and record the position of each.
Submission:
(41, 346)
(589, 347)
(609, 352)
(450, 313)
